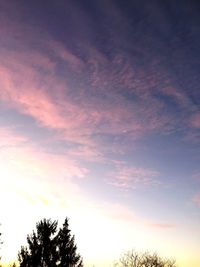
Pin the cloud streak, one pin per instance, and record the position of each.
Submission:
(130, 177)
(9, 139)
(196, 199)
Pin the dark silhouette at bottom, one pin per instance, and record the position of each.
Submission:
(50, 247)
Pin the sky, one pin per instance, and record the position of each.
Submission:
(100, 122)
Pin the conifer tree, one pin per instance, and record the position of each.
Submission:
(67, 248)
(49, 247)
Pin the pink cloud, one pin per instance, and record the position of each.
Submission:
(185, 102)
(9, 138)
(196, 176)
(24, 90)
(68, 57)
(45, 99)
(178, 95)
(147, 112)
(196, 199)
(195, 120)
(86, 152)
(162, 225)
(31, 86)
(26, 168)
(27, 88)
(30, 172)
(120, 212)
(126, 177)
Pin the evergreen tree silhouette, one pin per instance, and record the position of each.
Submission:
(48, 247)
(67, 248)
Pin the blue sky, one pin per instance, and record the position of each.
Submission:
(99, 118)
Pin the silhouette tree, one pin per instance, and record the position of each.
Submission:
(134, 259)
(49, 247)
(67, 248)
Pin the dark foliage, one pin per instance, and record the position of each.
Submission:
(49, 247)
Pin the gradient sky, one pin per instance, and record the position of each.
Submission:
(100, 122)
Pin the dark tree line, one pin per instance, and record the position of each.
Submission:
(49, 246)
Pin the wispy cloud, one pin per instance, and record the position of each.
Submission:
(128, 177)
(60, 52)
(88, 153)
(162, 225)
(32, 89)
(196, 176)
(196, 199)
(106, 83)
(9, 138)
(29, 175)
(119, 212)
(93, 107)
(195, 120)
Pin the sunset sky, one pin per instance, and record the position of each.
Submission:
(100, 122)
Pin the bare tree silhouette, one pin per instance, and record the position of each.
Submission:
(135, 259)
